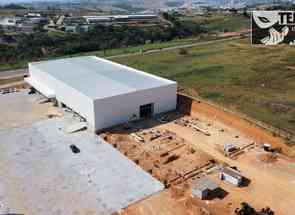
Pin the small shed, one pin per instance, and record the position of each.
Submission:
(204, 188)
(232, 176)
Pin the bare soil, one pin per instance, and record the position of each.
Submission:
(258, 134)
(160, 152)
(270, 180)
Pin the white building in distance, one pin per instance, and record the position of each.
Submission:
(103, 92)
(8, 21)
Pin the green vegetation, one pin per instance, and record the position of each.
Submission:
(40, 45)
(246, 209)
(10, 12)
(108, 41)
(220, 22)
(258, 81)
(12, 7)
(110, 52)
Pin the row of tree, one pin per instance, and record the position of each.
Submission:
(12, 7)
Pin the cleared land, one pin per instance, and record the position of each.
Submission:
(162, 153)
(269, 182)
(178, 152)
(257, 81)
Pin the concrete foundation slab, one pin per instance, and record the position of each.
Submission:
(41, 175)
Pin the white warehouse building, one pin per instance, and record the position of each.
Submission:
(103, 92)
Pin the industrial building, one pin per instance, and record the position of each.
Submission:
(120, 18)
(8, 21)
(102, 92)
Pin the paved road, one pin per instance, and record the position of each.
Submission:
(13, 73)
(21, 72)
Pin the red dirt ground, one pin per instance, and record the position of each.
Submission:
(252, 131)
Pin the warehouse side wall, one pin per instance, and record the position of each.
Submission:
(77, 101)
(119, 109)
(69, 96)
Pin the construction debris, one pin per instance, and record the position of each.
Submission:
(191, 123)
(164, 155)
(76, 127)
(8, 90)
(268, 157)
(43, 101)
(229, 148)
(137, 137)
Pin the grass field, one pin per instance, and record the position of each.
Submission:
(113, 52)
(220, 22)
(257, 81)
(10, 12)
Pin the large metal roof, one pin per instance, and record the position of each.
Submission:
(99, 78)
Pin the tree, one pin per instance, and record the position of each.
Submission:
(13, 6)
(266, 211)
(1, 31)
(245, 209)
(183, 51)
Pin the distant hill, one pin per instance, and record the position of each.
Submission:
(152, 4)
(12, 6)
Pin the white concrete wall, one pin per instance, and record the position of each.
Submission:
(118, 109)
(230, 179)
(77, 101)
(72, 98)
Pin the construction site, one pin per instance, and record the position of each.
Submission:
(186, 158)
(162, 153)
(184, 148)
